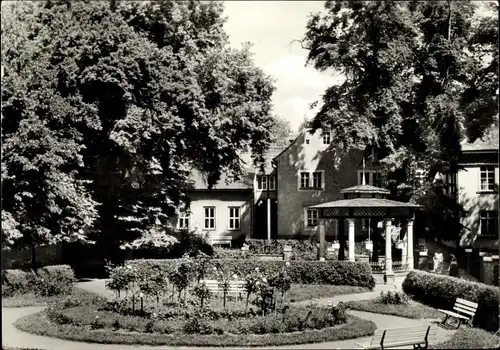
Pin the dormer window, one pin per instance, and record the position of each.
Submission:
(326, 138)
(262, 182)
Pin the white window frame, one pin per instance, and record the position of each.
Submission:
(233, 219)
(327, 137)
(313, 180)
(310, 180)
(205, 218)
(262, 182)
(489, 172)
(273, 182)
(490, 215)
(307, 218)
(370, 174)
(182, 218)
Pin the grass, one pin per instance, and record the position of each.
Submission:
(301, 292)
(469, 338)
(38, 324)
(32, 299)
(412, 309)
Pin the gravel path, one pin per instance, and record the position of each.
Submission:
(14, 338)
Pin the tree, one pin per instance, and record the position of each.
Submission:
(281, 131)
(416, 83)
(43, 200)
(153, 90)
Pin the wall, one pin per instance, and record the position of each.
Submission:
(339, 173)
(468, 182)
(221, 201)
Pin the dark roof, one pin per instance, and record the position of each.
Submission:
(366, 202)
(489, 142)
(365, 189)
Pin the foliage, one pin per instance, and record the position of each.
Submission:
(181, 275)
(418, 108)
(46, 282)
(300, 272)
(301, 249)
(136, 90)
(393, 298)
(441, 292)
(202, 292)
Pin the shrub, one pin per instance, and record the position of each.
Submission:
(441, 292)
(225, 253)
(55, 280)
(469, 338)
(393, 298)
(300, 272)
(18, 282)
(301, 249)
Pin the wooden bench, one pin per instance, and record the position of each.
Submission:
(221, 240)
(463, 311)
(236, 288)
(417, 336)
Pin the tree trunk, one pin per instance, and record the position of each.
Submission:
(33, 257)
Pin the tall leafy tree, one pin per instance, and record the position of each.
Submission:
(157, 92)
(420, 77)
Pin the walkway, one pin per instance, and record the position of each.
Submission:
(14, 338)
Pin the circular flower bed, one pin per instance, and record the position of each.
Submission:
(176, 324)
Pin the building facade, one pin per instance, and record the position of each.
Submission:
(477, 191)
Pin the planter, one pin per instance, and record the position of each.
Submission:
(336, 246)
(369, 246)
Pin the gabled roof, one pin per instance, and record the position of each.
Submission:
(489, 142)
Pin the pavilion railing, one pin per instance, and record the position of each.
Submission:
(397, 266)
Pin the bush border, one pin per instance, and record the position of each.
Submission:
(37, 323)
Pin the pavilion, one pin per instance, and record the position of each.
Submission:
(365, 201)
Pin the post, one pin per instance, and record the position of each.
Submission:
(469, 254)
(488, 270)
(322, 243)
(287, 252)
(351, 239)
(409, 244)
(389, 274)
(268, 218)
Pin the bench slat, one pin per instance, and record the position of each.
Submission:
(454, 314)
(466, 307)
(463, 311)
(466, 302)
(400, 336)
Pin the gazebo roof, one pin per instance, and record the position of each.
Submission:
(365, 189)
(366, 203)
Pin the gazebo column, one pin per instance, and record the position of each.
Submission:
(351, 239)
(389, 274)
(322, 243)
(409, 244)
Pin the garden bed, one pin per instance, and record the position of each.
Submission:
(413, 309)
(302, 292)
(189, 328)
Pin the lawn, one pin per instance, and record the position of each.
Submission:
(301, 292)
(412, 309)
(470, 338)
(32, 299)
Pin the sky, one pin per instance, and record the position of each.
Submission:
(271, 26)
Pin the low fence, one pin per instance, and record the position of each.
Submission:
(397, 266)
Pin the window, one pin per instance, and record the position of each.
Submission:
(317, 180)
(371, 178)
(489, 222)
(304, 179)
(262, 182)
(272, 182)
(487, 178)
(307, 141)
(311, 180)
(326, 138)
(311, 217)
(183, 221)
(234, 218)
(209, 218)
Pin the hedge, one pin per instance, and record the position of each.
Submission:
(301, 272)
(47, 281)
(301, 249)
(441, 292)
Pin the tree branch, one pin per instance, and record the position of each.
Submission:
(301, 42)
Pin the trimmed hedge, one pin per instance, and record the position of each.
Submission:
(47, 281)
(441, 292)
(301, 249)
(301, 272)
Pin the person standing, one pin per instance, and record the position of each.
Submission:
(438, 260)
(453, 269)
